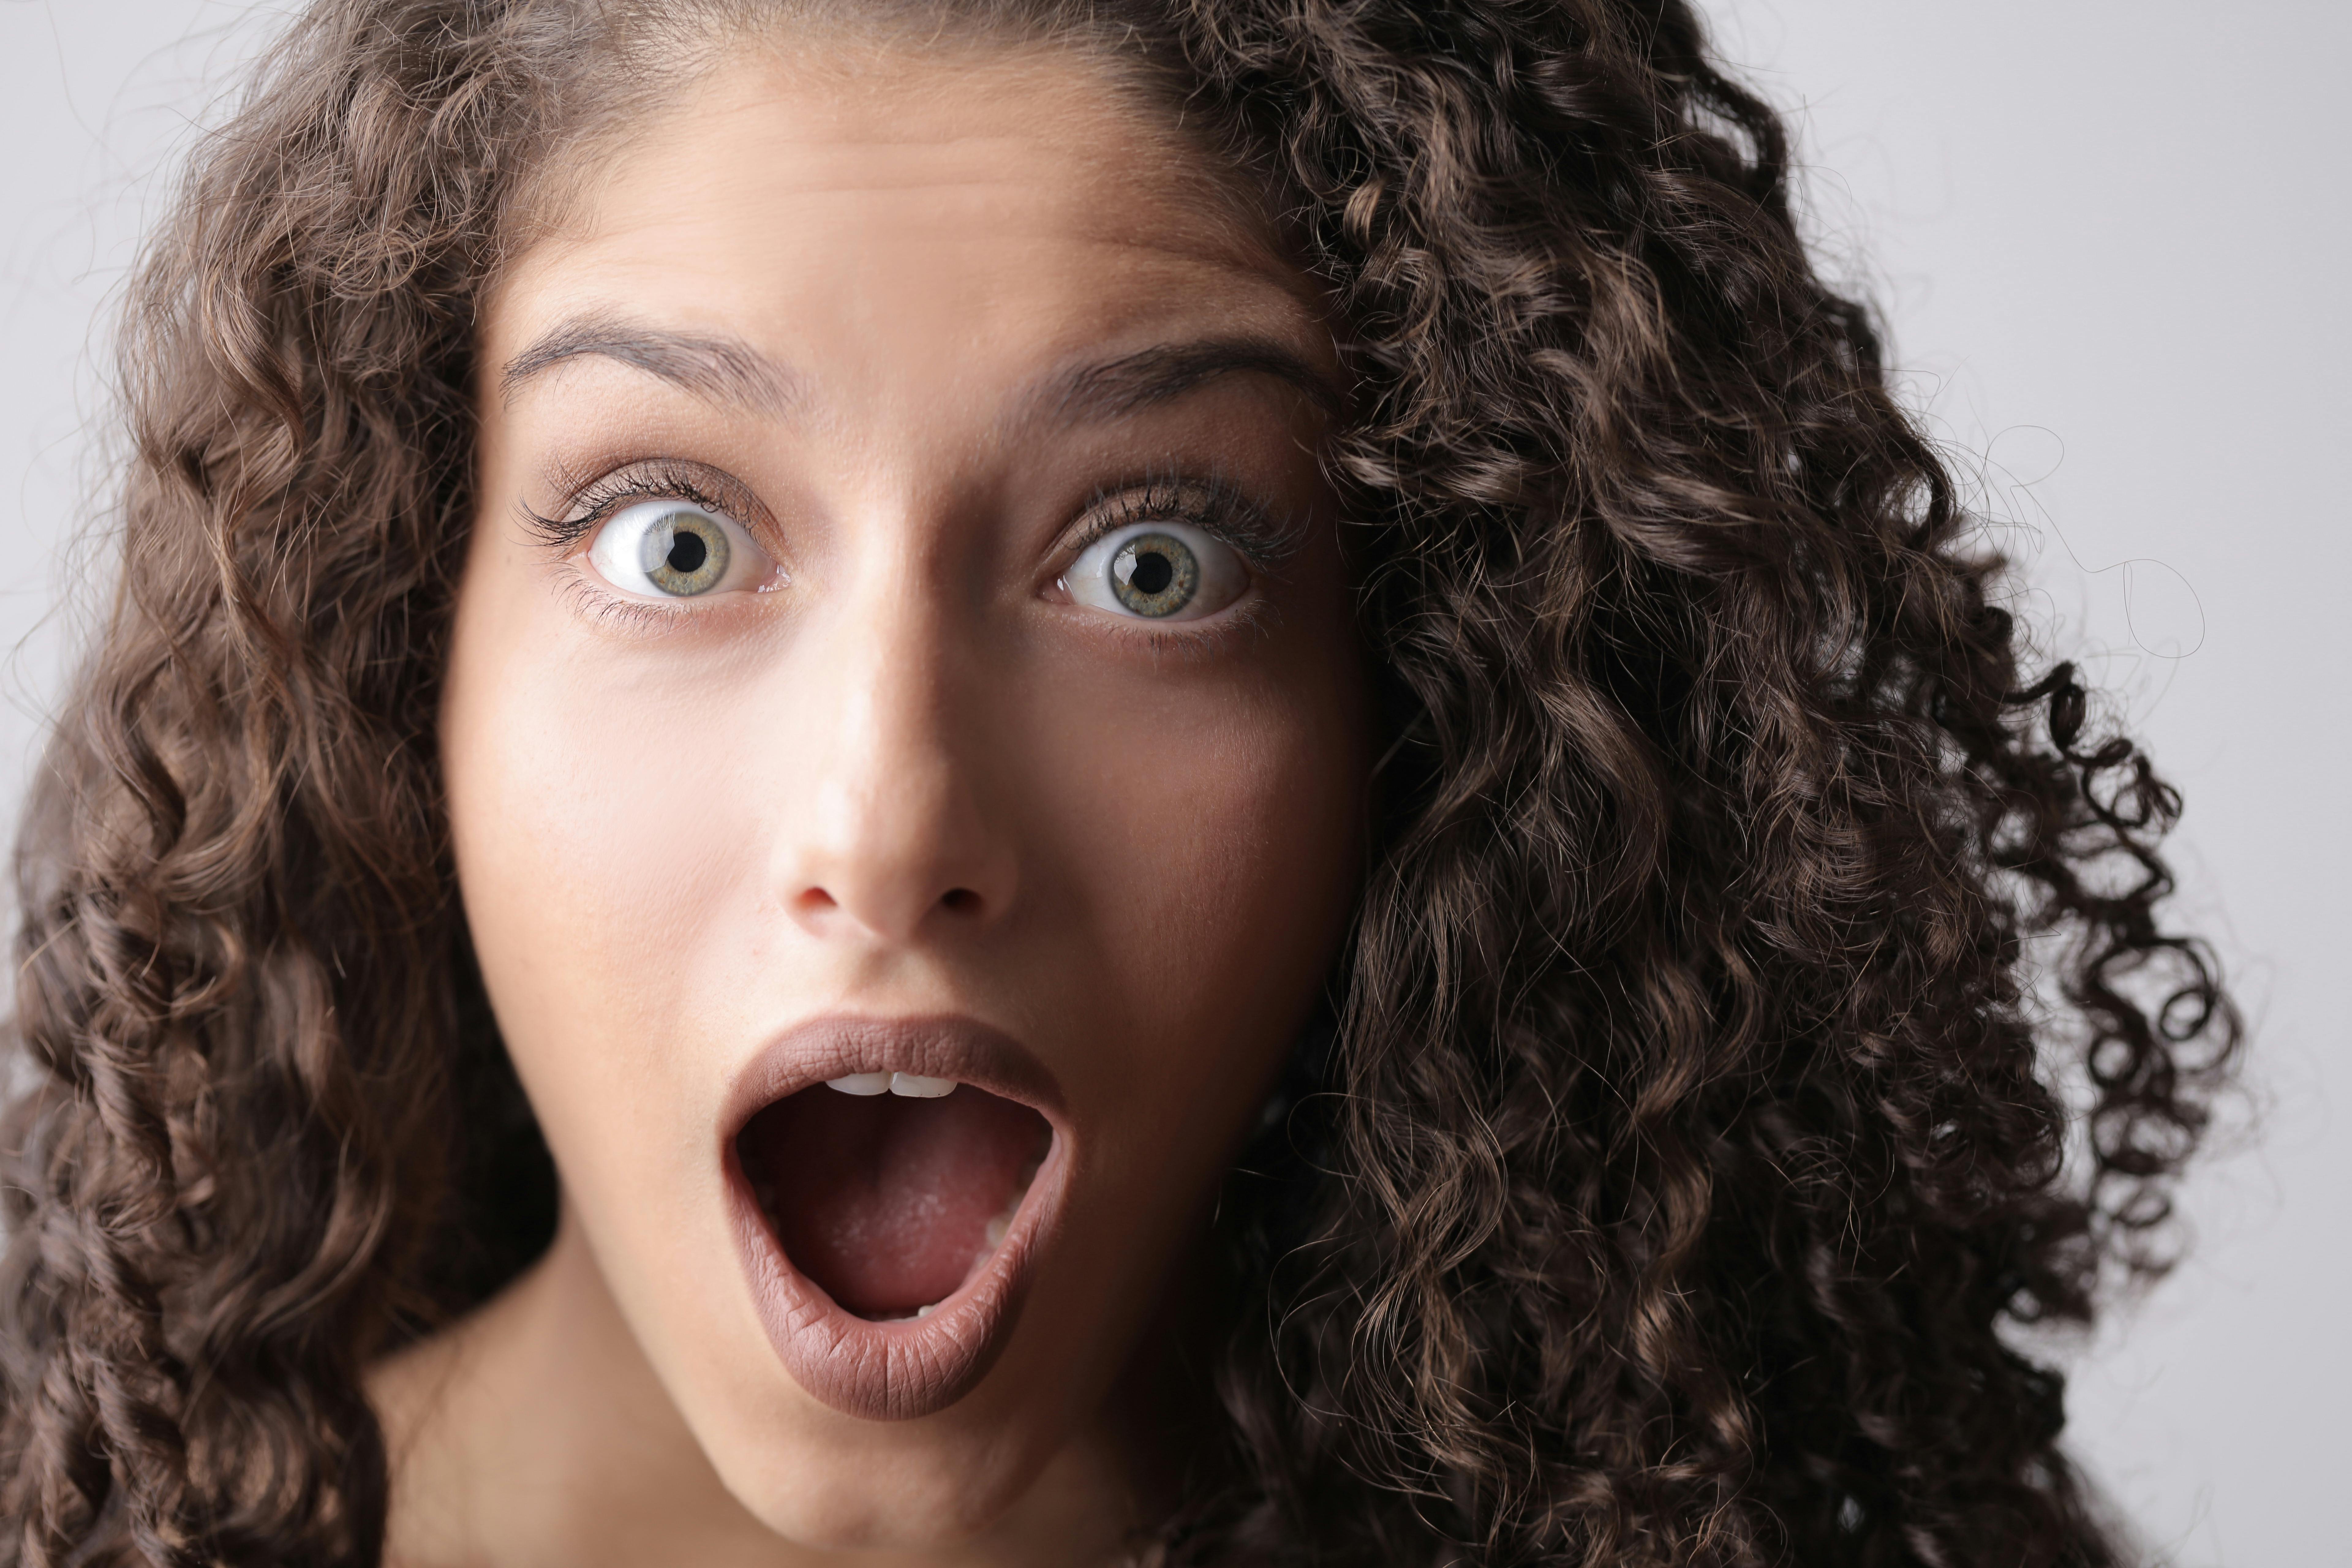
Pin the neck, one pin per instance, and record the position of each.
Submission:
(535, 1431)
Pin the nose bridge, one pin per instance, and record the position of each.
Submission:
(893, 838)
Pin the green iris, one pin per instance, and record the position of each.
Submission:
(1155, 574)
(686, 554)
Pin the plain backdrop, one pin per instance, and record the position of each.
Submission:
(2111, 243)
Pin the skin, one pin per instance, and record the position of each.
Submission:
(912, 776)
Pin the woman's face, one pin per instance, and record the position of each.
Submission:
(906, 777)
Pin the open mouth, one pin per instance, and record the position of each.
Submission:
(890, 1191)
(891, 1184)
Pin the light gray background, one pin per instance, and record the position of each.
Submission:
(2111, 240)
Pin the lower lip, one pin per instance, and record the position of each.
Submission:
(899, 1370)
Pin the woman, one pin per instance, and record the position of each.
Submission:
(1039, 782)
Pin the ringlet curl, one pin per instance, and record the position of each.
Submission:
(1690, 1131)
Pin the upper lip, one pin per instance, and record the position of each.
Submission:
(949, 1046)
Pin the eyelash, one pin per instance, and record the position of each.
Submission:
(1265, 538)
(661, 480)
(1213, 505)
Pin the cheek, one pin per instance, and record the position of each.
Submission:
(1208, 869)
(592, 861)
(1212, 842)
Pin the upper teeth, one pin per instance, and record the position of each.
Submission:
(914, 1086)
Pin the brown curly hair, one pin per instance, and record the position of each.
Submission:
(1690, 1128)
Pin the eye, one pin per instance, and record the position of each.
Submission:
(674, 550)
(1158, 572)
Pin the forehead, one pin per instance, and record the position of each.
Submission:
(848, 207)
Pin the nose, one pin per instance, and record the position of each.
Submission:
(894, 840)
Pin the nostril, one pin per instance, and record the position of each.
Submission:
(814, 899)
(960, 901)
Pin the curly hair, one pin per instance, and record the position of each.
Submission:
(1755, 1007)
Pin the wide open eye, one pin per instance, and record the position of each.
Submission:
(1158, 572)
(674, 550)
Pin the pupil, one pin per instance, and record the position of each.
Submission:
(1153, 573)
(688, 553)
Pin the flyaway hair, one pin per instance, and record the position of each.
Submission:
(1693, 1129)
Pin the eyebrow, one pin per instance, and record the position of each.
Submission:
(1110, 388)
(715, 368)
(724, 369)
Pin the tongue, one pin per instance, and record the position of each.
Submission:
(884, 1200)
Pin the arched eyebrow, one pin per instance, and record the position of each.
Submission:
(719, 368)
(714, 367)
(1109, 388)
